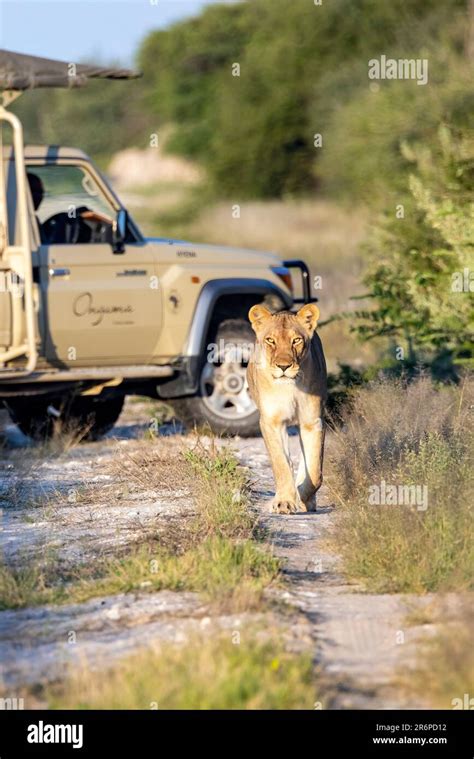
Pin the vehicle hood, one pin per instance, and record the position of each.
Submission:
(220, 254)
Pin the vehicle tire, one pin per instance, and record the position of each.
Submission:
(223, 402)
(89, 417)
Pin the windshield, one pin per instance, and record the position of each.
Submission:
(66, 188)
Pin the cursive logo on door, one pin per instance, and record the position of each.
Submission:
(84, 306)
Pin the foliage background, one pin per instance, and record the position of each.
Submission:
(303, 71)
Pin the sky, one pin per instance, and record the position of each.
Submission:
(104, 31)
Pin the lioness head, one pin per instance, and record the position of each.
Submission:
(283, 339)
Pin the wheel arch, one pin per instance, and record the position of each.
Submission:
(219, 299)
(229, 299)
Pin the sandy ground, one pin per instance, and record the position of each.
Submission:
(359, 642)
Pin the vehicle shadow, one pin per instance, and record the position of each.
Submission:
(137, 430)
(12, 438)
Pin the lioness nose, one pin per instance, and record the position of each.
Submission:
(283, 367)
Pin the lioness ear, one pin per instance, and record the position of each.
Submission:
(258, 315)
(308, 317)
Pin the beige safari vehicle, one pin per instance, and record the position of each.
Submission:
(92, 311)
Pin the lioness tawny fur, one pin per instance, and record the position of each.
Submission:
(287, 380)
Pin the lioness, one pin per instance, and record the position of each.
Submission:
(287, 380)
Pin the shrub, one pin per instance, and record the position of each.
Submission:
(422, 265)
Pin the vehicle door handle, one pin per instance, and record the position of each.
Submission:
(59, 272)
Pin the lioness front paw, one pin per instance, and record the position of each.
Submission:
(285, 505)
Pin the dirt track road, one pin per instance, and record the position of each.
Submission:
(358, 641)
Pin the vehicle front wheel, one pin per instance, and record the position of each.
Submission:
(223, 401)
(88, 417)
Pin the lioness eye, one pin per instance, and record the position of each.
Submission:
(297, 340)
(270, 340)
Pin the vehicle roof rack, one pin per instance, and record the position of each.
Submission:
(19, 72)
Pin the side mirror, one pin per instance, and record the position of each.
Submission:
(119, 231)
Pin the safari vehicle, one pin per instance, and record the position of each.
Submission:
(92, 311)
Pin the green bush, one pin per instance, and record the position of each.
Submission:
(303, 71)
(422, 263)
(362, 157)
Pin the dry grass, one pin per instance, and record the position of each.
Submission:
(445, 672)
(295, 228)
(151, 467)
(410, 436)
(207, 673)
(66, 437)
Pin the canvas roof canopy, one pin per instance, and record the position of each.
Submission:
(20, 72)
